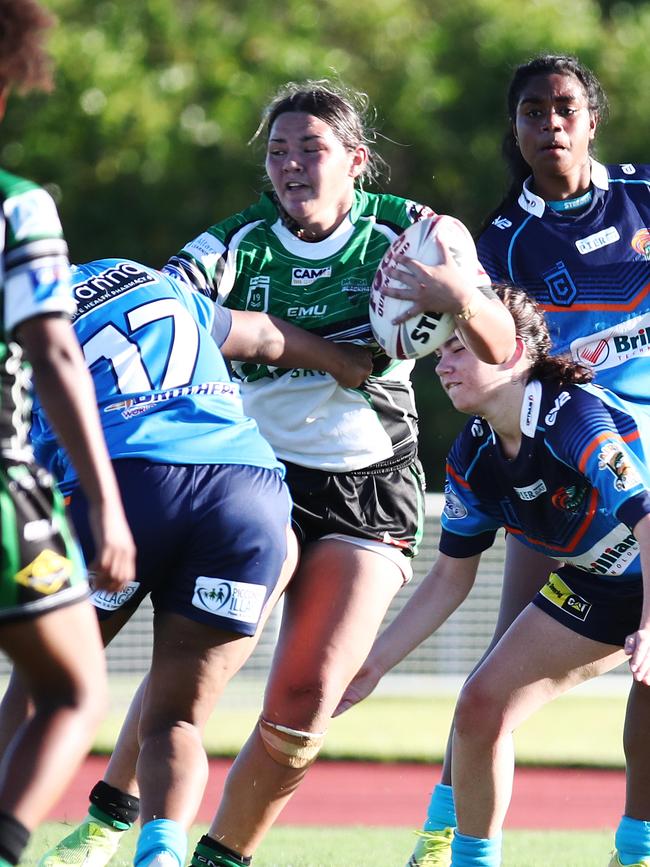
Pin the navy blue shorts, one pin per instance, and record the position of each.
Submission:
(211, 540)
(603, 610)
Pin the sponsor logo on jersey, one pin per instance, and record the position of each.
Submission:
(598, 240)
(614, 559)
(307, 276)
(612, 346)
(112, 282)
(258, 294)
(133, 406)
(204, 246)
(559, 593)
(313, 310)
(628, 169)
(641, 243)
(502, 222)
(415, 211)
(47, 574)
(612, 457)
(551, 416)
(354, 289)
(477, 428)
(235, 600)
(569, 499)
(531, 492)
(560, 285)
(111, 601)
(454, 508)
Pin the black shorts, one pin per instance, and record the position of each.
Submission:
(211, 540)
(382, 506)
(604, 610)
(41, 567)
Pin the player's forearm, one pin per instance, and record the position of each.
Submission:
(487, 328)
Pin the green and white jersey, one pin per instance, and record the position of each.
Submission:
(251, 261)
(34, 281)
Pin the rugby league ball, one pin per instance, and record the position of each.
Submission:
(425, 332)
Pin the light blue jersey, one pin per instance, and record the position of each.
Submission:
(163, 388)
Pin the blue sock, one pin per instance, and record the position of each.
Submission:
(161, 835)
(441, 812)
(475, 851)
(632, 840)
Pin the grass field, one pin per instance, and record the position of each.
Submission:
(583, 728)
(377, 847)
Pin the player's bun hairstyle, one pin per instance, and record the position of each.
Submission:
(547, 64)
(346, 111)
(24, 61)
(531, 327)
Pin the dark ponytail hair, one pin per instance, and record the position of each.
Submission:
(531, 327)
(542, 64)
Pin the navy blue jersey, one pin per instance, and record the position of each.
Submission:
(590, 272)
(163, 389)
(578, 485)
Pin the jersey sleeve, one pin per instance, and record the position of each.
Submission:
(37, 270)
(492, 254)
(608, 441)
(466, 529)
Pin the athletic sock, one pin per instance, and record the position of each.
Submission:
(632, 840)
(113, 807)
(161, 835)
(14, 837)
(211, 853)
(441, 813)
(475, 851)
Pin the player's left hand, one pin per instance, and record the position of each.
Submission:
(637, 647)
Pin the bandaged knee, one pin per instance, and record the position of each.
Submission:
(290, 747)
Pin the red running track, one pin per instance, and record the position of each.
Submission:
(364, 793)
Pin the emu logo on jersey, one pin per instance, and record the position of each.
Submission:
(613, 458)
(560, 594)
(102, 287)
(641, 243)
(307, 276)
(235, 600)
(561, 287)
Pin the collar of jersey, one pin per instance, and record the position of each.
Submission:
(535, 205)
(314, 249)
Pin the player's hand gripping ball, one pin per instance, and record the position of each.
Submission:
(425, 332)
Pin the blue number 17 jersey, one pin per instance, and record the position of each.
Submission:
(163, 389)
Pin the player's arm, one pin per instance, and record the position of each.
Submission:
(66, 392)
(637, 645)
(266, 339)
(436, 598)
(483, 321)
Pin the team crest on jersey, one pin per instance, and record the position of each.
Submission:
(235, 600)
(628, 169)
(307, 276)
(613, 458)
(559, 593)
(641, 243)
(454, 508)
(258, 294)
(415, 211)
(560, 285)
(47, 574)
(569, 499)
